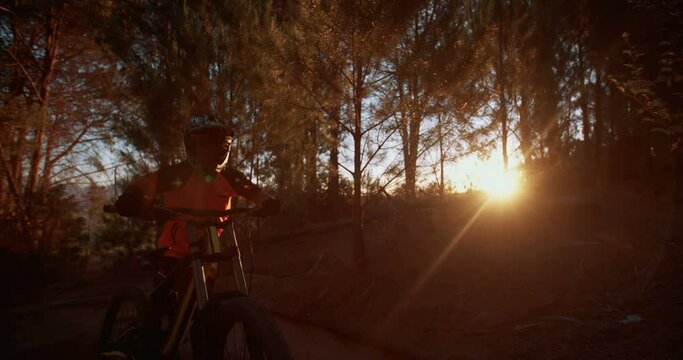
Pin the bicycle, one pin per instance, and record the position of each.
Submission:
(221, 325)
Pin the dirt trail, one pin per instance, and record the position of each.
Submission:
(68, 330)
(309, 342)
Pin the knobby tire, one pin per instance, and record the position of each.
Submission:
(137, 338)
(264, 340)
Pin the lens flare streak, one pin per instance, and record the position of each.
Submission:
(427, 274)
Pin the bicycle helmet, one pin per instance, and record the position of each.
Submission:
(207, 142)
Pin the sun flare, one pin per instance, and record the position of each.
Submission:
(503, 185)
(487, 175)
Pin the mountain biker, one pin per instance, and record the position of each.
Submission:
(204, 181)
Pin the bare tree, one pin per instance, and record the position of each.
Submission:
(344, 44)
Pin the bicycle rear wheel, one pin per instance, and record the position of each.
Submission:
(127, 327)
(243, 329)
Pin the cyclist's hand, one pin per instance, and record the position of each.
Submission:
(130, 203)
(269, 207)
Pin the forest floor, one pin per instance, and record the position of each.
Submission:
(566, 277)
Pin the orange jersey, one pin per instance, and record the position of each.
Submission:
(181, 186)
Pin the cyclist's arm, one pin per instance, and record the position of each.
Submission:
(139, 195)
(136, 197)
(245, 188)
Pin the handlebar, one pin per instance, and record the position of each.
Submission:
(171, 213)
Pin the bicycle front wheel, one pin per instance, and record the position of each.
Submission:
(127, 327)
(243, 329)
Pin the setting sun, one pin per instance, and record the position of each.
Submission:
(486, 175)
(503, 185)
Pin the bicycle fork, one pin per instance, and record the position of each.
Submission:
(237, 269)
(197, 266)
(213, 246)
(197, 284)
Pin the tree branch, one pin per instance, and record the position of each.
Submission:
(26, 74)
(345, 168)
(10, 180)
(71, 146)
(82, 174)
(372, 127)
(379, 147)
(312, 94)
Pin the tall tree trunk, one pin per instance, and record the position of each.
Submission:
(5, 133)
(254, 170)
(415, 116)
(502, 85)
(333, 196)
(283, 171)
(312, 170)
(15, 136)
(545, 86)
(410, 136)
(525, 127)
(598, 127)
(504, 130)
(13, 188)
(410, 120)
(52, 42)
(583, 96)
(358, 241)
(47, 162)
(17, 157)
(3, 202)
(616, 116)
(410, 158)
(298, 184)
(442, 159)
(404, 130)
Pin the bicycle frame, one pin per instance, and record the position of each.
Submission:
(215, 248)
